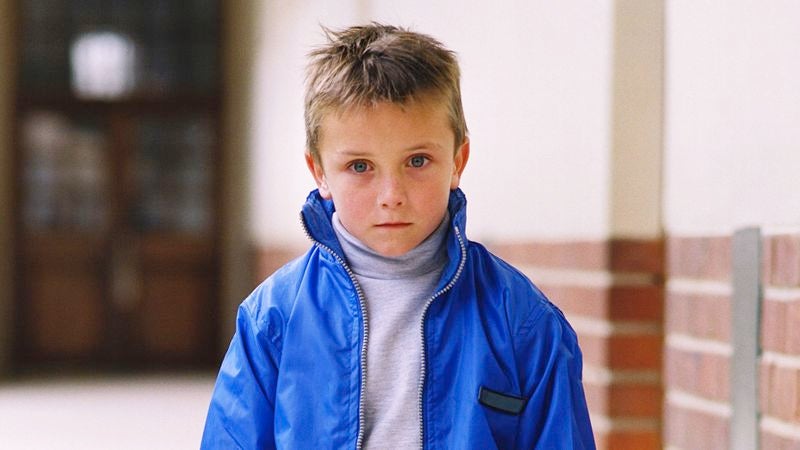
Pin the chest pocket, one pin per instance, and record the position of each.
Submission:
(502, 413)
(498, 401)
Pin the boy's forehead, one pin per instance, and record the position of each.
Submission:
(430, 104)
(352, 120)
(427, 101)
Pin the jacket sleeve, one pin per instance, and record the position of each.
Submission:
(555, 416)
(241, 414)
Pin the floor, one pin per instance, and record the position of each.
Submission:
(121, 412)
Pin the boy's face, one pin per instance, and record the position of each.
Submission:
(389, 170)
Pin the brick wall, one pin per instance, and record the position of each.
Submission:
(612, 293)
(780, 340)
(269, 259)
(698, 351)
(697, 344)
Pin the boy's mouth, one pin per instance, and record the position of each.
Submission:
(393, 225)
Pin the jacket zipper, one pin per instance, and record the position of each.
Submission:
(362, 304)
(423, 363)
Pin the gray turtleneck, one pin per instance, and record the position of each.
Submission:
(395, 290)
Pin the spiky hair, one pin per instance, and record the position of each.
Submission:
(366, 65)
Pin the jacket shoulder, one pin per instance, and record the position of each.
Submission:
(526, 306)
(272, 300)
(536, 324)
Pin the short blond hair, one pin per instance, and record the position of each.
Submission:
(366, 65)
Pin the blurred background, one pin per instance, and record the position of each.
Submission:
(634, 158)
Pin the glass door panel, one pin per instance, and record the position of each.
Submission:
(118, 106)
(65, 173)
(173, 175)
(65, 215)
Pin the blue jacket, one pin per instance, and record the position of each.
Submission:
(501, 366)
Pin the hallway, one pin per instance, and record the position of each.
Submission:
(120, 412)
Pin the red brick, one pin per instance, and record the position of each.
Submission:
(773, 326)
(677, 313)
(624, 399)
(635, 351)
(782, 254)
(792, 324)
(583, 255)
(635, 400)
(699, 315)
(780, 392)
(694, 430)
(705, 258)
(629, 440)
(618, 255)
(578, 300)
(639, 351)
(595, 349)
(270, 259)
(703, 374)
(780, 327)
(639, 303)
(636, 303)
(774, 442)
(637, 255)
(596, 398)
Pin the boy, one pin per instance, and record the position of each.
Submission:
(394, 330)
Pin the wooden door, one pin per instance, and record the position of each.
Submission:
(117, 142)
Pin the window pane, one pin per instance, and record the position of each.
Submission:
(173, 170)
(65, 173)
(176, 43)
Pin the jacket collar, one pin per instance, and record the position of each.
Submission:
(317, 213)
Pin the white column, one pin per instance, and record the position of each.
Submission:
(637, 118)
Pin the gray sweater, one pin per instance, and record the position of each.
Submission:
(396, 290)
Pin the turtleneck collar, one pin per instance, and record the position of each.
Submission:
(428, 256)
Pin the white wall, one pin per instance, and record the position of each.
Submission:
(732, 116)
(536, 88)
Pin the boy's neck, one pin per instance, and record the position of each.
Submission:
(430, 254)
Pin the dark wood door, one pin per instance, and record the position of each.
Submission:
(117, 142)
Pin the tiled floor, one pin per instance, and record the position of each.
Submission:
(133, 412)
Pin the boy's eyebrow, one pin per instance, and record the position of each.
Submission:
(362, 154)
(423, 145)
(352, 153)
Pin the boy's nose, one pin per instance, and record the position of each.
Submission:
(392, 193)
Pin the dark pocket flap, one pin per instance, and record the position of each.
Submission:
(502, 402)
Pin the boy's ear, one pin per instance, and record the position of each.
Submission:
(459, 163)
(315, 167)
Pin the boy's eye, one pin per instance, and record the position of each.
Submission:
(359, 167)
(418, 161)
